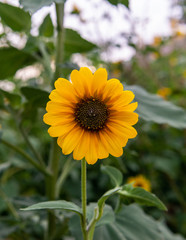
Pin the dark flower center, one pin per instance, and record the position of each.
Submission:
(91, 114)
(139, 185)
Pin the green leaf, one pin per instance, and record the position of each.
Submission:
(34, 5)
(75, 43)
(141, 196)
(14, 17)
(36, 96)
(153, 108)
(116, 2)
(4, 166)
(61, 204)
(107, 217)
(133, 224)
(12, 59)
(114, 174)
(12, 98)
(46, 29)
(105, 196)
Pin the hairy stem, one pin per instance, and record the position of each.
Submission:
(55, 151)
(84, 198)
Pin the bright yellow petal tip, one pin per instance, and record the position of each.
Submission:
(91, 115)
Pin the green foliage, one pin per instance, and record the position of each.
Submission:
(46, 29)
(12, 59)
(35, 96)
(116, 2)
(34, 5)
(153, 108)
(114, 174)
(11, 98)
(14, 17)
(75, 43)
(61, 204)
(132, 223)
(139, 195)
(107, 217)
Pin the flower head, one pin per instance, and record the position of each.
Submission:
(91, 116)
(140, 181)
(164, 92)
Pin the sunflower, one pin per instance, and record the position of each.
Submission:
(164, 92)
(91, 116)
(140, 181)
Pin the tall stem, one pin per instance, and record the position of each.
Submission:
(60, 40)
(55, 151)
(84, 197)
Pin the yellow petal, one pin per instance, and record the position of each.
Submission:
(99, 81)
(71, 140)
(130, 118)
(86, 72)
(121, 137)
(81, 84)
(112, 90)
(129, 131)
(57, 119)
(102, 152)
(66, 89)
(55, 107)
(82, 147)
(60, 130)
(128, 108)
(60, 141)
(125, 98)
(91, 155)
(111, 146)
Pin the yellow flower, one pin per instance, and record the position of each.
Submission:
(184, 73)
(140, 181)
(157, 41)
(164, 92)
(155, 55)
(180, 34)
(91, 116)
(174, 23)
(173, 61)
(75, 10)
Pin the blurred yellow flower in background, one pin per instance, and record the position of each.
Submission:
(164, 92)
(91, 116)
(75, 9)
(157, 41)
(184, 74)
(180, 34)
(140, 181)
(174, 23)
(173, 61)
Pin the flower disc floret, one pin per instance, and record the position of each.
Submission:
(91, 116)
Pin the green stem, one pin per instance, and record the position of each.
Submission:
(19, 126)
(55, 153)
(26, 156)
(35, 153)
(51, 185)
(60, 40)
(65, 171)
(9, 205)
(84, 198)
